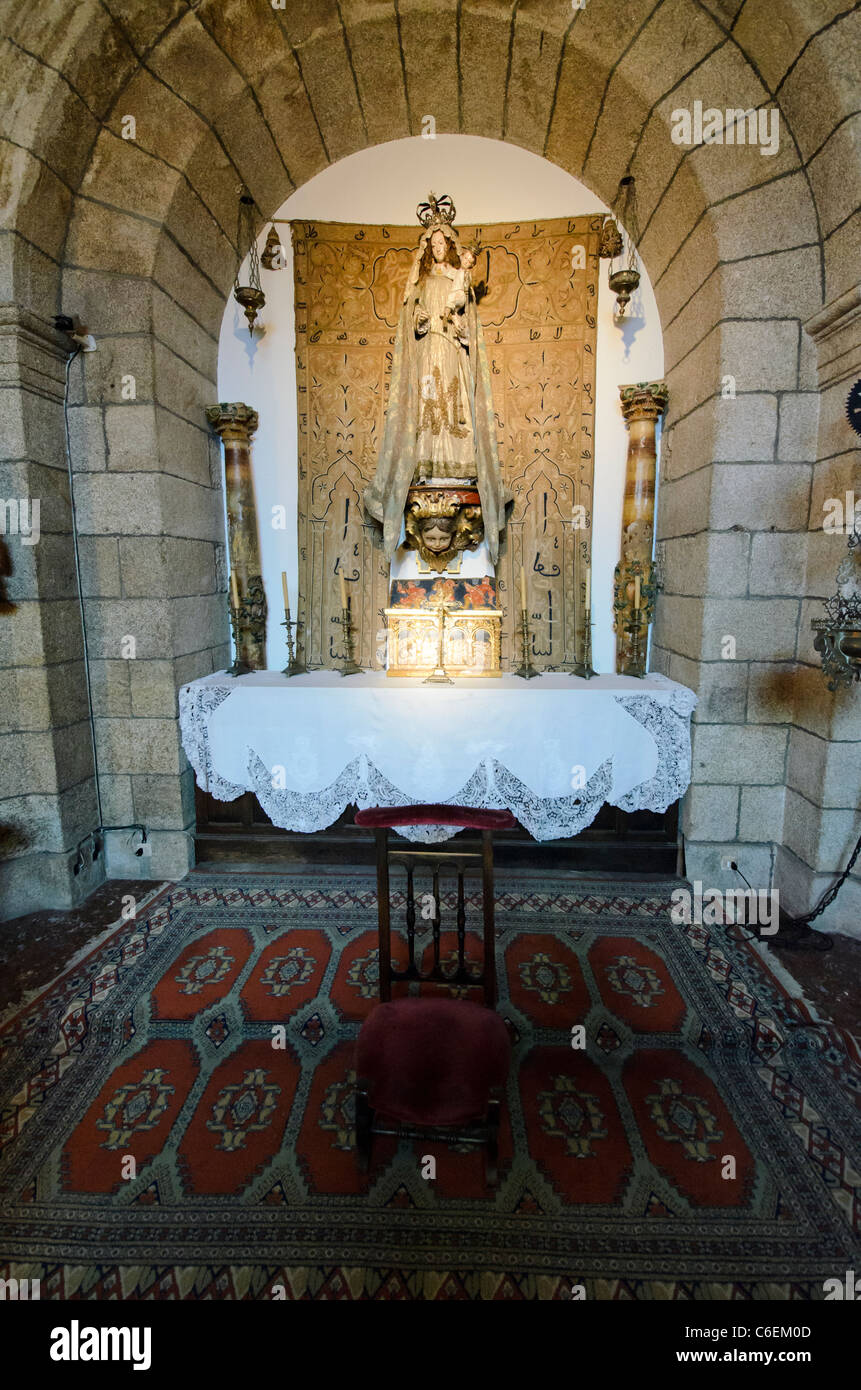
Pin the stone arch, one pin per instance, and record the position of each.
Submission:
(585, 93)
(138, 238)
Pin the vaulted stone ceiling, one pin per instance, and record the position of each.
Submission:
(227, 91)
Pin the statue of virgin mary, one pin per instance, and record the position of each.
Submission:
(440, 429)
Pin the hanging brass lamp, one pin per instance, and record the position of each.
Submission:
(250, 296)
(624, 280)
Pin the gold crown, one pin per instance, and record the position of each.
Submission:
(436, 212)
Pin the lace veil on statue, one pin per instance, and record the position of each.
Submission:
(399, 455)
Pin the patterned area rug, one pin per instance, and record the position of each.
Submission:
(177, 1115)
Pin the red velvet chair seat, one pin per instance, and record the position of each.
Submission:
(432, 1061)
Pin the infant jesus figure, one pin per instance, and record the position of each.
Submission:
(457, 300)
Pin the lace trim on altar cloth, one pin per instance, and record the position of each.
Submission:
(491, 786)
(197, 703)
(682, 700)
(668, 725)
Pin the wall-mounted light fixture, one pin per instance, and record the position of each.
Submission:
(611, 240)
(624, 278)
(274, 256)
(250, 296)
(838, 636)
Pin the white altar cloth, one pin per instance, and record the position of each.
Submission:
(551, 750)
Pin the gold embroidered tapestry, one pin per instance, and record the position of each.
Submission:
(537, 289)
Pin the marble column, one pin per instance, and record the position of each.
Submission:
(235, 423)
(643, 404)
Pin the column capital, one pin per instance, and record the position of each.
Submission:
(233, 421)
(646, 400)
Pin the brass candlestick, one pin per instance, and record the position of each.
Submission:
(349, 667)
(584, 668)
(294, 667)
(525, 669)
(240, 667)
(633, 621)
(636, 663)
(439, 676)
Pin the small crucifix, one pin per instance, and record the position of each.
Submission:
(439, 676)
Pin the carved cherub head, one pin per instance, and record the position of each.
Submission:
(438, 526)
(436, 532)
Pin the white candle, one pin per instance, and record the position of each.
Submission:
(637, 592)
(523, 588)
(343, 590)
(234, 592)
(284, 587)
(588, 589)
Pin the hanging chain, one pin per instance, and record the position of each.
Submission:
(631, 220)
(829, 897)
(253, 256)
(245, 238)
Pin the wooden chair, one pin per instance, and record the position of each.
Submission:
(433, 1068)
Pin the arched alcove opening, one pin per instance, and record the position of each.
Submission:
(489, 181)
(134, 233)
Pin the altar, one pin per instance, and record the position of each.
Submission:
(552, 752)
